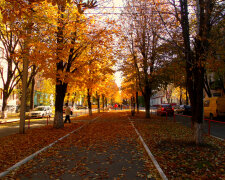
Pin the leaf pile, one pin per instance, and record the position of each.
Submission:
(173, 147)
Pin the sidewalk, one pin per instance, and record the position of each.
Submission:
(108, 148)
(11, 117)
(3, 121)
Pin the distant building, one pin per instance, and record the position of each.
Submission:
(41, 97)
(13, 99)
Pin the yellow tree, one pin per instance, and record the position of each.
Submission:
(63, 32)
(22, 13)
(99, 64)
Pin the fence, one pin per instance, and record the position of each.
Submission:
(190, 123)
(205, 119)
(48, 118)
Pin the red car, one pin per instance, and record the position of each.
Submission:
(164, 109)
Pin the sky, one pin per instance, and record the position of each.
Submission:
(118, 75)
(108, 7)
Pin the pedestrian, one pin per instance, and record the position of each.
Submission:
(67, 112)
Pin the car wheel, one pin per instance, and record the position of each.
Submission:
(211, 116)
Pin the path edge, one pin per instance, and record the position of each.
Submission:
(156, 164)
(25, 160)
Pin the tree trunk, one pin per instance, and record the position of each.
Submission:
(89, 102)
(26, 52)
(103, 102)
(59, 99)
(207, 87)
(222, 83)
(198, 133)
(60, 86)
(147, 95)
(24, 89)
(98, 101)
(147, 105)
(32, 94)
(195, 64)
(132, 100)
(137, 102)
(4, 104)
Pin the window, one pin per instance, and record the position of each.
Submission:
(206, 103)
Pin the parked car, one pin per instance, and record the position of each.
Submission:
(185, 110)
(214, 107)
(41, 111)
(164, 109)
(176, 108)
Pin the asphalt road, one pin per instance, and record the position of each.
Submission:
(217, 129)
(13, 127)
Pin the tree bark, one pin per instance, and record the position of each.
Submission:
(25, 72)
(89, 102)
(195, 64)
(98, 101)
(103, 102)
(32, 94)
(24, 89)
(4, 104)
(132, 100)
(106, 102)
(206, 86)
(61, 87)
(60, 91)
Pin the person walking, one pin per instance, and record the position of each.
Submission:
(67, 112)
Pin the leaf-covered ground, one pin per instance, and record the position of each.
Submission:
(106, 148)
(16, 147)
(173, 147)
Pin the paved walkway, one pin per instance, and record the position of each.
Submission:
(107, 148)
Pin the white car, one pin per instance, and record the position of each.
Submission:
(41, 111)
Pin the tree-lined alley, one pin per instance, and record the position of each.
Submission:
(155, 43)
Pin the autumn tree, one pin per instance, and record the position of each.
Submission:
(143, 43)
(18, 12)
(130, 81)
(215, 64)
(195, 47)
(10, 40)
(98, 65)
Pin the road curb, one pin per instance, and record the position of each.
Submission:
(156, 164)
(2, 174)
(217, 138)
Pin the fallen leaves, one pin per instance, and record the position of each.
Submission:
(106, 148)
(179, 157)
(16, 147)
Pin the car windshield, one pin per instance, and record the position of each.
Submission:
(39, 109)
